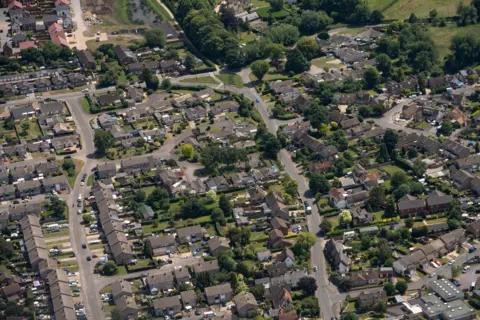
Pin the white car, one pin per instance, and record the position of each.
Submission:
(465, 269)
(315, 268)
(82, 183)
(433, 274)
(451, 262)
(79, 211)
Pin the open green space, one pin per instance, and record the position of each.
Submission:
(32, 131)
(325, 62)
(401, 9)
(266, 12)
(443, 36)
(231, 79)
(85, 105)
(200, 80)
(260, 3)
(120, 11)
(390, 169)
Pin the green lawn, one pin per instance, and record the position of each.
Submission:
(246, 37)
(60, 233)
(33, 131)
(148, 190)
(258, 236)
(85, 105)
(265, 12)
(401, 9)
(390, 169)
(78, 167)
(334, 221)
(443, 36)
(200, 80)
(120, 11)
(323, 62)
(90, 180)
(231, 79)
(260, 3)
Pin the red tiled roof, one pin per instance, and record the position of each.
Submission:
(15, 4)
(57, 35)
(27, 44)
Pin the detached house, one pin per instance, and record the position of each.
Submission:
(334, 253)
(219, 294)
(190, 234)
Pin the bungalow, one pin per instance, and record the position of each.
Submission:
(109, 99)
(290, 130)
(210, 267)
(50, 109)
(135, 165)
(21, 113)
(65, 142)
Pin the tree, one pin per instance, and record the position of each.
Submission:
(383, 155)
(189, 63)
(12, 309)
(314, 21)
(391, 208)
(296, 62)
(225, 205)
(166, 84)
(401, 191)
(401, 286)
(345, 217)
(218, 216)
(270, 145)
(380, 308)
(446, 129)
(155, 38)
(151, 80)
(58, 207)
(276, 5)
(9, 124)
(87, 218)
(384, 64)
(308, 285)
(193, 208)
(305, 241)
(103, 141)
(349, 316)
(308, 47)
(390, 139)
(456, 270)
(413, 18)
(318, 183)
(187, 151)
(258, 291)
(398, 178)
(467, 13)
(140, 195)
(389, 288)
(412, 152)
(376, 198)
(371, 77)
(110, 268)
(326, 225)
(211, 196)
(318, 115)
(409, 222)
(285, 34)
(260, 68)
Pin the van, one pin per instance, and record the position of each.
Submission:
(209, 314)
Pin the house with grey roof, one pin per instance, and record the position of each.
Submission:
(219, 294)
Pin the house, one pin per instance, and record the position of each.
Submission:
(219, 294)
(217, 245)
(281, 297)
(280, 224)
(122, 252)
(107, 121)
(409, 110)
(190, 234)
(337, 198)
(182, 275)
(360, 216)
(287, 257)
(160, 281)
(474, 228)
(76, 79)
(350, 123)
(453, 239)
(370, 298)
(245, 304)
(364, 277)
(86, 59)
(28, 23)
(50, 109)
(109, 99)
(59, 82)
(277, 206)
(167, 306)
(12, 292)
(19, 211)
(195, 113)
(168, 65)
(7, 192)
(277, 239)
(204, 94)
(410, 206)
(290, 130)
(137, 67)
(437, 201)
(453, 149)
(29, 188)
(217, 183)
(65, 142)
(146, 212)
(189, 299)
(282, 87)
(334, 254)
(225, 106)
(457, 117)
(55, 183)
(21, 113)
(162, 245)
(462, 179)
(127, 308)
(136, 165)
(121, 288)
(210, 267)
(276, 269)
(124, 55)
(264, 255)
(106, 170)
(57, 34)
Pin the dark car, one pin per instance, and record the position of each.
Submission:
(84, 176)
(472, 249)
(89, 258)
(198, 312)
(84, 246)
(456, 283)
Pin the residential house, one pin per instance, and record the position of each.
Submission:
(189, 299)
(127, 308)
(107, 121)
(217, 245)
(409, 110)
(29, 188)
(453, 239)
(219, 294)
(210, 267)
(50, 109)
(286, 256)
(136, 165)
(281, 297)
(370, 298)
(245, 304)
(106, 170)
(337, 198)
(160, 281)
(455, 150)
(182, 275)
(462, 179)
(360, 216)
(190, 234)
(277, 206)
(474, 228)
(280, 224)
(57, 34)
(195, 113)
(76, 79)
(264, 255)
(124, 55)
(86, 59)
(334, 253)
(121, 288)
(162, 245)
(364, 277)
(409, 206)
(7, 192)
(59, 82)
(168, 66)
(109, 99)
(167, 306)
(437, 201)
(21, 113)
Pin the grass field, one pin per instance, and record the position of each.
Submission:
(265, 12)
(325, 62)
(231, 79)
(32, 132)
(401, 9)
(246, 37)
(443, 36)
(85, 105)
(200, 80)
(78, 167)
(120, 11)
(260, 3)
(391, 169)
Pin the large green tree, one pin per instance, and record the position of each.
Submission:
(155, 37)
(103, 140)
(260, 69)
(296, 62)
